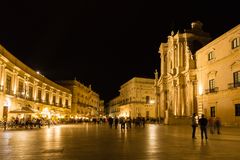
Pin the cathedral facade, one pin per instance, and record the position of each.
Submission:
(198, 74)
(178, 78)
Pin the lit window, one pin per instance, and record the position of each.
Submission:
(235, 43)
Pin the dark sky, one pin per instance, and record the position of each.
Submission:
(102, 43)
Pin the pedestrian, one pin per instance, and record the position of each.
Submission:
(49, 123)
(217, 125)
(194, 125)
(5, 125)
(203, 126)
(110, 122)
(116, 122)
(143, 121)
(122, 122)
(211, 124)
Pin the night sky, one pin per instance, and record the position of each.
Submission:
(102, 43)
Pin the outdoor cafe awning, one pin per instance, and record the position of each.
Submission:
(25, 109)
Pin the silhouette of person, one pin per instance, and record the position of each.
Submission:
(110, 122)
(116, 122)
(203, 126)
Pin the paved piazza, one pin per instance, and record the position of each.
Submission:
(99, 142)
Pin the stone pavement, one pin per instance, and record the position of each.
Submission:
(99, 142)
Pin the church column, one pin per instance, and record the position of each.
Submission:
(183, 100)
(162, 64)
(195, 108)
(179, 99)
(156, 96)
(190, 98)
(175, 98)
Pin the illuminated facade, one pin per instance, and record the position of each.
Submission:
(85, 102)
(101, 110)
(218, 72)
(178, 79)
(23, 90)
(137, 98)
(200, 76)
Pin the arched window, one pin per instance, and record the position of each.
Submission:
(235, 42)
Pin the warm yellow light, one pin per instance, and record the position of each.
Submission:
(152, 101)
(200, 89)
(7, 102)
(45, 113)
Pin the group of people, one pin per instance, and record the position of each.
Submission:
(203, 122)
(126, 122)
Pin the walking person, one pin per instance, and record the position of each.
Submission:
(49, 123)
(194, 125)
(110, 122)
(217, 125)
(116, 122)
(211, 125)
(203, 126)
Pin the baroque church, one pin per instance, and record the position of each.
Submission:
(179, 87)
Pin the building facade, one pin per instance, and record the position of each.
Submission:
(85, 102)
(218, 72)
(24, 92)
(101, 110)
(178, 79)
(136, 99)
(200, 76)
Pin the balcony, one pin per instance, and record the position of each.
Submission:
(233, 85)
(211, 90)
(30, 98)
(38, 100)
(46, 102)
(9, 92)
(20, 94)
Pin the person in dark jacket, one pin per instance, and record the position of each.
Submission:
(203, 126)
(110, 122)
(116, 122)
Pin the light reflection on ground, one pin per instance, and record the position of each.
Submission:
(90, 141)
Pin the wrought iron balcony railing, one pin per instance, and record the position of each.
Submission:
(233, 85)
(211, 90)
